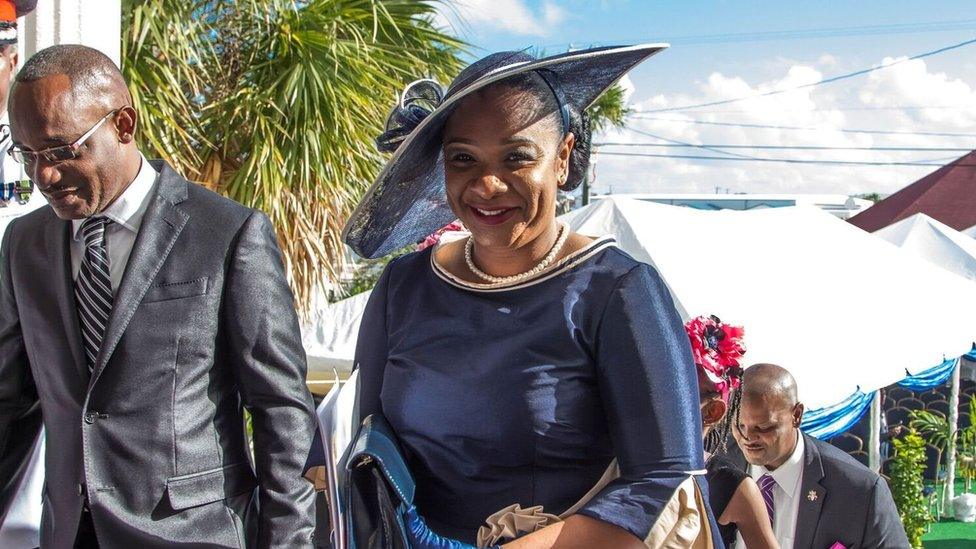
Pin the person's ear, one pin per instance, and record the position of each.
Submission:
(713, 411)
(563, 156)
(125, 123)
(798, 414)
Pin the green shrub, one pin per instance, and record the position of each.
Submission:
(906, 486)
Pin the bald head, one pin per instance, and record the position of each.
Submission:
(769, 416)
(769, 381)
(91, 75)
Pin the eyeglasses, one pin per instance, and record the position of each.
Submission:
(57, 154)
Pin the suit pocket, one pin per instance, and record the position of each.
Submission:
(195, 489)
(176, 290)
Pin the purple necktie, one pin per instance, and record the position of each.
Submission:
(766, 484)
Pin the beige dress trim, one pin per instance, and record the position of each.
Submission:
(561, 266)
(682, 524)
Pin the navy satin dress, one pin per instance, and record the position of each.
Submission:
(524, 395)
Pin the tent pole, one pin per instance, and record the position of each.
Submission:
(874, 433)
(951, 444)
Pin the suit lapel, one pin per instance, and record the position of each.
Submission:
(59, 233)
(161, 226)
(811, 495)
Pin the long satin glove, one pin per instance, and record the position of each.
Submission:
(422, 537)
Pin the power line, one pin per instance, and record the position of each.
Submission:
(785, 147)
(817, 83)
(826, 32)
(803, 128)
(795, 34)
(860, 108)
(780, 160)
(686, 144)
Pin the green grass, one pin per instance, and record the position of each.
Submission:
(949, 534)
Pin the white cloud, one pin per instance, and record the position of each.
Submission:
(512, 16)
(879, 100)
(827, 60)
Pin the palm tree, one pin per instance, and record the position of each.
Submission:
(275, 103)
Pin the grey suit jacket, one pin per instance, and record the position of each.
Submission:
(202, 327)
(840, 501)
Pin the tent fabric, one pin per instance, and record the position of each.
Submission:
(935, 242)
(947, 194)
(830, 421)
(936, 377)
(815, 294)
(330, 337)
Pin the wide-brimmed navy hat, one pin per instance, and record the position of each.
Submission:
(407, 201)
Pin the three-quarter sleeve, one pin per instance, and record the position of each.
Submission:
(650, 395)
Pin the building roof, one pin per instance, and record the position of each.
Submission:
(947, 195)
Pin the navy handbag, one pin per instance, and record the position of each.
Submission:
(379, 488)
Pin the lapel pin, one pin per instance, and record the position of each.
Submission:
(812, 495)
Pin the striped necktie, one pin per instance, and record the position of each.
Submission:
(93, 287)
(766, 485)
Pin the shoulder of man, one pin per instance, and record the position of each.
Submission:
(28, 223)
(199, 198)
(840, 468)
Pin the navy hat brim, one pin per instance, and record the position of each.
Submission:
(407, 201)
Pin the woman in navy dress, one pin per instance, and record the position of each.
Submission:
(514, 365)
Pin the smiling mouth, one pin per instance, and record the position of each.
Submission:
(492, 216)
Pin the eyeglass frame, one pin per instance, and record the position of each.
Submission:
(30, 157)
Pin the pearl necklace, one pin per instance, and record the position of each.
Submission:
(505, 280)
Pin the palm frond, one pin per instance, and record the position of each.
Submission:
(278, 102)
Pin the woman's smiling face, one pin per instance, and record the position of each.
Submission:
(504, 158)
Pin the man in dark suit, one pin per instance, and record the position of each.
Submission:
(816, 495)
(145, 313)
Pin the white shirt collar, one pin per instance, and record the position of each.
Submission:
(787, 475)
(128, 209)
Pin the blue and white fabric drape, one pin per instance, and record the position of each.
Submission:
(933, 377)
(825, 423)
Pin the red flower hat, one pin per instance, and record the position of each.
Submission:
(717, 348)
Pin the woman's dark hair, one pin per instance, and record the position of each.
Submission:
(542, 88)
(718, 437)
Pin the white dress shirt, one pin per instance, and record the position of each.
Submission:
(126, 213)
(786, 495)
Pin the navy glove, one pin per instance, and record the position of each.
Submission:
(422, 537)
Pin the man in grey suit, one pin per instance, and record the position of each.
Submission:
(816, 495)
(145, 313)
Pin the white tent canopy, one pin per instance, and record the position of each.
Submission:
(840, 308)
(330, 338)
(955, 252)
(971, 232)
(935, 242)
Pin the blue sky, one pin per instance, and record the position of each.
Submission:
(694, 71)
